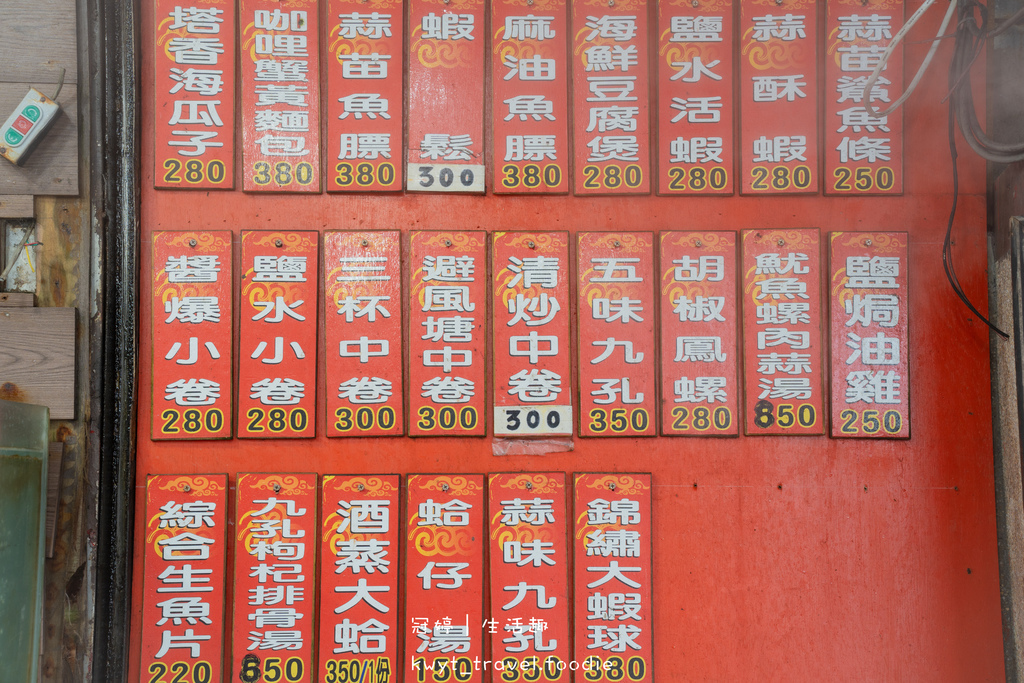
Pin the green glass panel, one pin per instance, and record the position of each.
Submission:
(23, 446)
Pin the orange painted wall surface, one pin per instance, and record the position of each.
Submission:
(776, 558)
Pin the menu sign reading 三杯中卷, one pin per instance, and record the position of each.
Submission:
(195, 95)
(778, 96)
(363, 327)
(530, 98)
(695, 107)
(615, 296)
(191, 319)
(447, 344)
(699, 379)
(280, 95)
(532, 358)
(183, 569)
(277, 335)
(364, 95)
(782, 358)
(870, 339)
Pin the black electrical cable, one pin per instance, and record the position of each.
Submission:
(964, 53)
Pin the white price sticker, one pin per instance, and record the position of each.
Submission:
(531, 420)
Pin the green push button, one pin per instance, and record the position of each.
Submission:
(13, 137)
(32, 112)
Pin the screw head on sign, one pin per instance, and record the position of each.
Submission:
(781, 242)
(698, 243)
(447, 243)
(867, 243)
(277, 488)
(529, 486)
(778, 2)
(531, 244)
(364, 243)
(529, 2)
(611, 486)
(616, 244)
(186, 488)
(192, 243)
(444, 487)
(278, 243)
(611, 3)
(360, 487)
(695, 3)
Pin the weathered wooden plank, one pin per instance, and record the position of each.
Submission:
(37, 358)
(37, 39)
(16, 206)
(16, 300)
(53, 167)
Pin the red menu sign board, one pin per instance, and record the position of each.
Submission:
(695, 105)
(183, 577)
(191, 335)
(359, 546)
(532, 358)
(529, 579)
(863, 152)
(446, 108)
(782, 332)
(277, 337)
(870, 342)
(612, 576)
(699, 379)
(616, 333)
(611, 128)
(275, 592)
(444, 576)
(530, 98)
(363, 322)
(779, 96)
(280, 95)
(447, 343)
(195, 94)
(364, 103)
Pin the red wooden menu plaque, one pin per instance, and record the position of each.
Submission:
(530, 84)
(363, 323)
(444, 576)
(612, 577)
(359, 547)
(779, 96)
(191, 335)
(280, 42)
(277, 337)
(782, 321)
(364, 88)
(194, 56)
(863, 152)
(615, 295)
(611, 93)
(275, 591)
(183, 577)
(447, 344)
(869, 300)
(532, 355)
(445, 91)
(695, 105)
(699, 320)
(529, 620)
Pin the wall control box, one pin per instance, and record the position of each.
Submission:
(24, 128)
